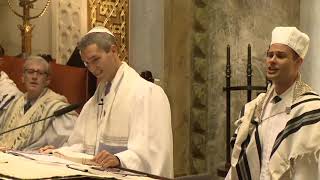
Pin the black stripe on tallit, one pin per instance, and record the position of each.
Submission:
(244, 146)
(246, 165)
(242, 166)
(4, 96)
(304, 101)
(233, 140)
(294, 125)
(7, 102)
(258, 144)
(239, 172)
(309, 93)
(243, 169)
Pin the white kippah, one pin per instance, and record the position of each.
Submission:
(292, 37)
(100, 29)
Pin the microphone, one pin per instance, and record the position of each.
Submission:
(56, 114)
(66, 109)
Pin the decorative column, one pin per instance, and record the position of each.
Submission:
(114, 15)
(199, 91)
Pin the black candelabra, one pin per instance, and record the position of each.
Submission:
(228, 89)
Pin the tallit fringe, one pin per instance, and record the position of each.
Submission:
(291, 165)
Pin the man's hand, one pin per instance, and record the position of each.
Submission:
(47, 149)
(3, 149)
(106, 159)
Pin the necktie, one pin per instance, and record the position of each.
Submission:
(27, 106)
(107, 90)
(276, 99)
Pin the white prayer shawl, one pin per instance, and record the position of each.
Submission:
(8, 93)
(133, 121)
(7, 86)
(298, 141)
(53, 131)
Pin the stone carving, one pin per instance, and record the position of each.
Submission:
(67, 28)
(199, 117)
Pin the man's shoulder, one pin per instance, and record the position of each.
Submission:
(256, 101)
(136, 81)
(309, 99)
(141, 87)
(148, 86)
(54, 96)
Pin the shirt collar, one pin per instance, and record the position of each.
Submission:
(286, 96)
(118, 75)
(32, 101)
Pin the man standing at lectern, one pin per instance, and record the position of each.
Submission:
(278, 134)
(37, 103)
(127, 122)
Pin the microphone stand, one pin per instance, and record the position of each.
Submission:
(25, 125)
(56, 114)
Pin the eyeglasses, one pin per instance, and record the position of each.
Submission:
(93, 62)
(38, 72)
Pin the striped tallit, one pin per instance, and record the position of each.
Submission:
(301, 134)
(14, 117)
(8, 91)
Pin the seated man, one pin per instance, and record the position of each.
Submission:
(37, 103)
(128, 120)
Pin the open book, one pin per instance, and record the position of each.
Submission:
(76, 157)
(60, 159)
(32, 165)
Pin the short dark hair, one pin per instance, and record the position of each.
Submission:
(102, 39)
(295, 54)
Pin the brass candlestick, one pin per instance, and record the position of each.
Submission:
(26, 28)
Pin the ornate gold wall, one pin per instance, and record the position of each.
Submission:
(113, 14)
